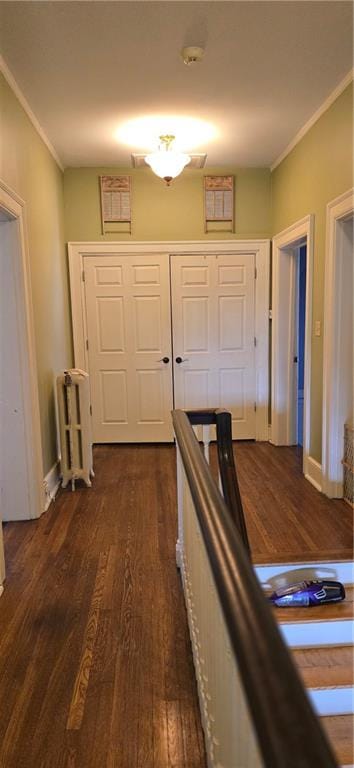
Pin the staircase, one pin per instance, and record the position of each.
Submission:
(322, 643)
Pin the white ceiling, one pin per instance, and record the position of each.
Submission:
(86, 68)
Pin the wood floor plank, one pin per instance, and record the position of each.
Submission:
(77, 705)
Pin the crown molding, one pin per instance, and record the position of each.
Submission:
(24, 103)
(319, 112)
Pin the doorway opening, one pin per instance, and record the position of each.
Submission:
(21, 473)
(291, 336)
(338, 341)
(300, 352)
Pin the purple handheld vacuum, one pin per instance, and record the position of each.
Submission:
(308, 593)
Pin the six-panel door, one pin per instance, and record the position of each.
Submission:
(213, 310)
(129, 335)
(128, 318)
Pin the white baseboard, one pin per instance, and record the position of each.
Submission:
(313, 473)
(51, 484)
(332, 489)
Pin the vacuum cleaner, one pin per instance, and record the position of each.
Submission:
(308, 593)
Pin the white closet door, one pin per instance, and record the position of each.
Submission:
(213, 311)
(129, 334)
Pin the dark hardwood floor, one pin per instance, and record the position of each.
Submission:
(287, 518)
(95, 660)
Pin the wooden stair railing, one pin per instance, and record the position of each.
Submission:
(227, 469)
(227, 608)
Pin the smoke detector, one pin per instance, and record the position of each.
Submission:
(192, 54)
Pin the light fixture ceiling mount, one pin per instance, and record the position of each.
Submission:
(166, 162)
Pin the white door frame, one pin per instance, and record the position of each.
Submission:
(284, 290)
(259, 248)
(16, 209)
(338, 211)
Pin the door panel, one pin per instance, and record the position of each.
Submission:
(110, 324)
(213, 310)
(148, 337)
(146, 274)
(150, 396)
(195, 312)
(232, 391)
(109, 275)
(114, 397)
(128, 328)
(231, 323)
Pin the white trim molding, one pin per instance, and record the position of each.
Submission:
(16, 208)
(51, 484)
(25, 105)
(313, 473)
(259, 248)
(313, 119)
(285, 246)
(338, 211)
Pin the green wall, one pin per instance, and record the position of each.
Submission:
(315, 172)
(28, 168)
(166, 213)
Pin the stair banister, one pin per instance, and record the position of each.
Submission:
(255, 711)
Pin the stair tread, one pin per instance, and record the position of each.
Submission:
(328, 612)
(340, 729)
(326, 667)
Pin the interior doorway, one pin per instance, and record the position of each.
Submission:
(300, 342)
(338, 340)
(21, 473)
(13, 465)
(291, 336)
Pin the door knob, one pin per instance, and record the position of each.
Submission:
(181, 360)
(164, 360)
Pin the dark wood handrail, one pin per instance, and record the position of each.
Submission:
(227, 469)
(288, 731)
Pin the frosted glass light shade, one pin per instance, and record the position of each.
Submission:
(166, 163)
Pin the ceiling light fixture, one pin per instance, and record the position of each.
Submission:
(166, 162)
(192, 54)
